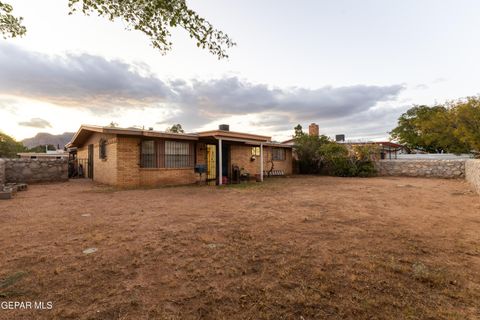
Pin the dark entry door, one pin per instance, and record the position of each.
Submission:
(90, 161)
(225, 155)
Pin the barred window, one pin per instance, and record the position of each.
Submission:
(178, 154)
(147, 155)
(102, 149)
(278, 154)
(166, 154)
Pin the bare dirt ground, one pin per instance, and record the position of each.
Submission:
(292, 248)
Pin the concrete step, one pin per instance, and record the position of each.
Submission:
(5, 195)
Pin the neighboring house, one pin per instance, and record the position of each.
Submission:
(386, 149)
(136, 157)
(57, 154)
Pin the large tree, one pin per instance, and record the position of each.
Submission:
(155, 18)
(9, 147)
(467, 119)
(453, 127)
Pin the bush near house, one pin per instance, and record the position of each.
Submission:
(321, 155)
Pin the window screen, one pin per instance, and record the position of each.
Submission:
(278, 154)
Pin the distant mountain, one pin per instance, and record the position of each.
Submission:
(43, 138)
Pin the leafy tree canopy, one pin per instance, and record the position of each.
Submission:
(9, 147)
(176, 128)
(10, 26)
(298, 131)
(155, 18)
(467, 120)
(453, 127)
(307, 150)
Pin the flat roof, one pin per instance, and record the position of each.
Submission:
(86, 130)
(234, 135)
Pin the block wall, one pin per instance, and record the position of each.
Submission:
(35, 170)
(472, 173)
(422, 168)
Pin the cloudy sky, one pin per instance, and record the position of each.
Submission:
(351, 66)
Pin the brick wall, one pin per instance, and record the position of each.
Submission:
(284, 165)
(104, 170)
(201, 151)
(167, 176)
(241, 155)
(122, 165)
(128, 161)
(472, 173)
(35, 170)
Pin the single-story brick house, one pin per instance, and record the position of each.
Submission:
(135, 157)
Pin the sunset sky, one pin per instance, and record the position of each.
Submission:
(351, 66)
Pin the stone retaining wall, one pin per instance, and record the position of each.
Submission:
(36, 170)
(472, 173)
(2, 172)
(422, 168)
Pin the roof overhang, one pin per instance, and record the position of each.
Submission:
(85, 131)
(234, 136)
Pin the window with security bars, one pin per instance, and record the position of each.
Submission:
(166, 154)
(178, 154)
(148, 154)
(102, 149)
(278, 154)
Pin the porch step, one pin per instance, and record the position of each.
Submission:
(5, 195)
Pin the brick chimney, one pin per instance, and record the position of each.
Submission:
(313, 129)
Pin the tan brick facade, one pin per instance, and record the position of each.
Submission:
(121, 167)
(157, 177)
(122, 164)
(284, 165)
(104, 170)
(241, 155)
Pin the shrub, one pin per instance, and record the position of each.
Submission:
(337, 160)
(365, 168)
(319, 154)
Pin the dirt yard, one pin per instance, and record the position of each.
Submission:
(291, 248)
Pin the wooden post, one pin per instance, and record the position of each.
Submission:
(220, 169)
(261, 162)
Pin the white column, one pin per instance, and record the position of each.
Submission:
(261, 162)
(220, 169)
